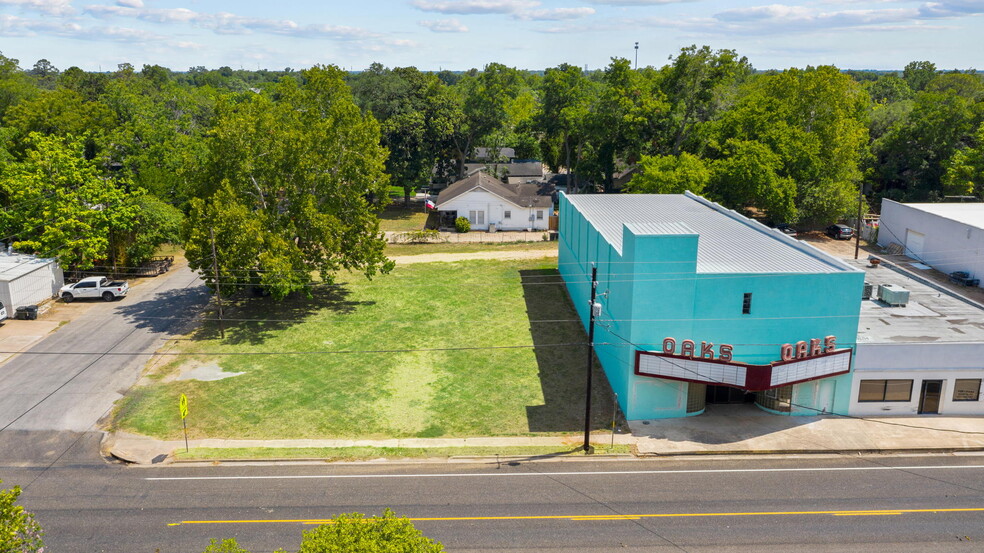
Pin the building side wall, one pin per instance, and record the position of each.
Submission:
(948, 245)
(918, 362)
(495, 208)
(38, 285)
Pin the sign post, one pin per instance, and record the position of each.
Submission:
(183, 408)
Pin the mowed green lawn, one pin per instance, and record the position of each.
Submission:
(371, 360)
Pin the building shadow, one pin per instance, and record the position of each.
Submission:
(560, 346)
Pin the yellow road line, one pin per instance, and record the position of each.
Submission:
(872, 512)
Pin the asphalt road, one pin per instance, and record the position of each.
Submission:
(54, 395)
(875, 504)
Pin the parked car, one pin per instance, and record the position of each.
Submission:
(94, 287)
(3, 311)
(786, 229)
(840, 232)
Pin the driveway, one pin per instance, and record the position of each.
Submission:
(58, 391)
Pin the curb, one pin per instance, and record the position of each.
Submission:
(412, 460)
(869, 451)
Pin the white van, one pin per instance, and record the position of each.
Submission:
(3, 311)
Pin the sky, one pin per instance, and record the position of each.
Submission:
(460, 34)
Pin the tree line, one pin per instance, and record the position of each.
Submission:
(285, 171)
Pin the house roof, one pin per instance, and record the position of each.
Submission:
(728, 242)
(483, 153)
(531, 169)
(16, 265)
(967, 213)
(520, 195)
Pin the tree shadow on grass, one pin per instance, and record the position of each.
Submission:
(166, 312)
(562, 369)
(252, 319)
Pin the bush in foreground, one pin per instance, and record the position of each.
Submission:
(461, 224)
(19, 532)
(355, 533)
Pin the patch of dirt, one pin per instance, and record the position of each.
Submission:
(837, 248)
(432, 257)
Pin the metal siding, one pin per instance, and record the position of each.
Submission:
(726, 244)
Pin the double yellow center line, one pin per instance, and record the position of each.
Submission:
(613, 516)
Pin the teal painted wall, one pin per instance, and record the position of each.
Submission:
(652, 291)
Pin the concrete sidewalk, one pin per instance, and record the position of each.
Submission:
(724, 429)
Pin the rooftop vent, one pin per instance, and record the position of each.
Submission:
(893, 295)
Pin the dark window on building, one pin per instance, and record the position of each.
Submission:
(746, 304)
(967, 389)
(508, 214)
(539, 215)
(885, 390)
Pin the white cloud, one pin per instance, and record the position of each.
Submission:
(638, 2)
(225, 23)
(130, 3)
(50, 7)
(471, 7)
(444, 26)
(555, 14)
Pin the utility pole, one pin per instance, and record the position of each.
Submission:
(857, 231)
(637, 55)
(592, 308)
(215, 272)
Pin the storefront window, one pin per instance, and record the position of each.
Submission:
(696, 397)
(777, 399)
(967, 389)
(885, 390)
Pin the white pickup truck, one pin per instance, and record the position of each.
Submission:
(94, 287)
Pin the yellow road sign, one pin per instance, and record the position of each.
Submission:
(183, 406)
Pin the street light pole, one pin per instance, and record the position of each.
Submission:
(637, 55)
(857, 231)
(587, 392)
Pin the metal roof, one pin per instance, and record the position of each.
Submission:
(727, 243)
(967, 213)
(16, 265)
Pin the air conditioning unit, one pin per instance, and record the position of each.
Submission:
(893, 295)
(866, 291)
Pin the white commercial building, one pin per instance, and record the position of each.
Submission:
(920, 348)
(949, 237)
(26, 280)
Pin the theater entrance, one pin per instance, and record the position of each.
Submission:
(727, 395)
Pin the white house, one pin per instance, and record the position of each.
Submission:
(486, 201)
(949, 237)
(26, 280)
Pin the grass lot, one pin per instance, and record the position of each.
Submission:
(363, 453)
(397, 218)
(467, 247)
(408, 387)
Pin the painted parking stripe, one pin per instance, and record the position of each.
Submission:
(551, 474)
(589, 518)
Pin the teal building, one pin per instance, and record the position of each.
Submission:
(698, 304)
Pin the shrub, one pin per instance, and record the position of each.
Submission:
(357, 533)
(461, 224)
(19, 532)
(420, 236)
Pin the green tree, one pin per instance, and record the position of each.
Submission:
(19, 531)
(63, 112)
(416, 116)
(889, 89)
(356, 533)
(699, 84)
(625, 120)
(45, 73)
(813, 120)
(670, 175)
(566, 96)
(918, 74)
(965, 170)
(15, 85)
(64, 206)
(286, 186)
(482, 102)
(751, 174)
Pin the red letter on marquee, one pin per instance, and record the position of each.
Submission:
(830, 343)
(786, 352)
(725, 352)
(669, 346)
(687, 348)
(706, 350)
(815, 347)
(801, 350)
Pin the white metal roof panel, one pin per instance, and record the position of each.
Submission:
(14, 266)
(967, 213)
(728, 243)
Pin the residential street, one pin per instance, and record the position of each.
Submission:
(842, 503)
(50, 401)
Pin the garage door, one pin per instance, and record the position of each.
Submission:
(914, 244)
